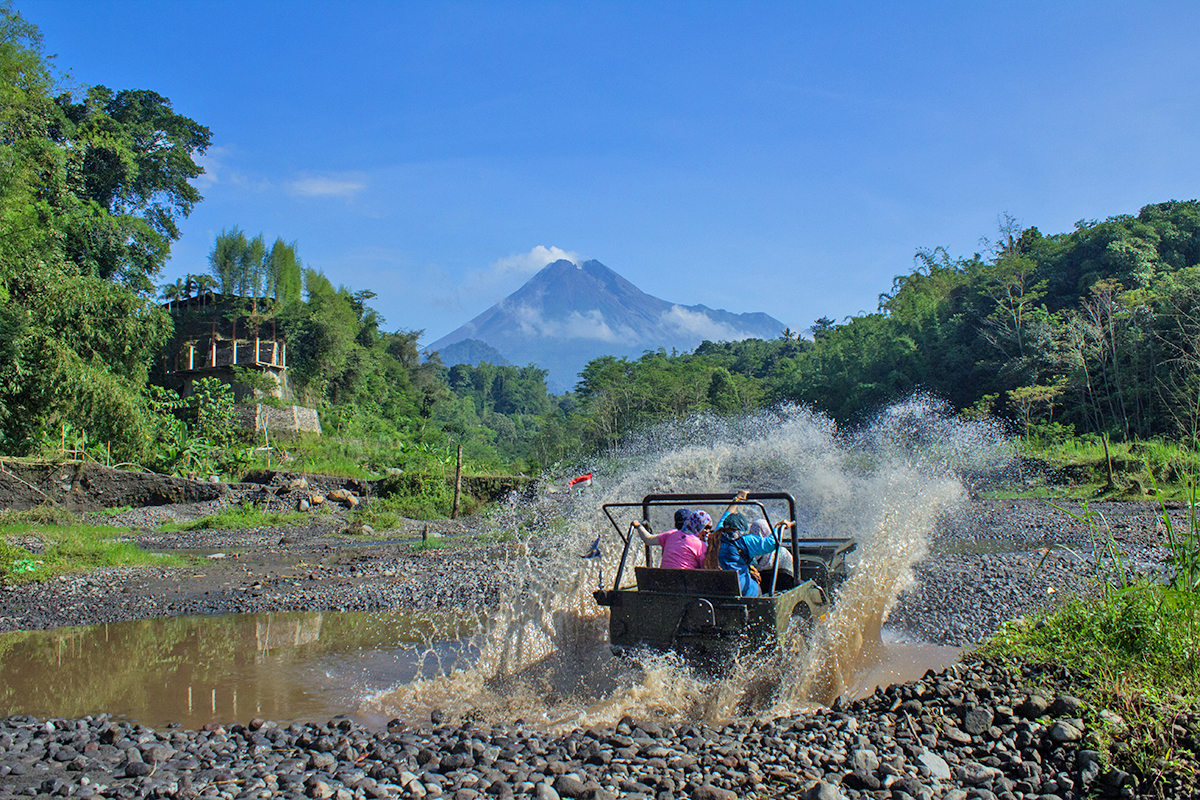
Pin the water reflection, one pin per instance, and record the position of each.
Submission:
(193, 670)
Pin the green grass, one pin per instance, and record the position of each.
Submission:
(65, 548)
(1136, 652)
(244, 516)
(112, 512)
(1132, 647)
(1138, 468)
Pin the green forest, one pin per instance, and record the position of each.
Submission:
(1090, 335)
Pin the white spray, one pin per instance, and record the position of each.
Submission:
(544, 651)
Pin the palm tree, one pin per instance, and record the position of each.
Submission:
(173, 292)
(204, 287)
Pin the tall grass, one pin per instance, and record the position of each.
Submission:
(1133, 646)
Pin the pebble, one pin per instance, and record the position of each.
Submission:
(865, 749)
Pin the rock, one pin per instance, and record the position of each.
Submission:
(319, 789)
(955, 735)
(1114, 719)
(1063, 731)
(862, 781)
(977, 774)
(977, 720)
(1033, 707)
(709, 792)
(600, 793)
(316, 499)
(568, 786)
(137, 769)
(863, 760)
(1066, 705)
(322, 762)
(1088, 764)
(544, 791)
(936, 764)
(303, 504)
(823, 791)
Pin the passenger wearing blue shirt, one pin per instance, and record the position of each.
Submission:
(739, 548)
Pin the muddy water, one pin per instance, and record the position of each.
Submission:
(195, 670)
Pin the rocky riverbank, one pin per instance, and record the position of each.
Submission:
(972, 731)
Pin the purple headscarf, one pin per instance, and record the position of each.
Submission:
(698, 521)
(760, 528)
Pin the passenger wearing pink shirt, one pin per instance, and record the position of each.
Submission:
(683, 548)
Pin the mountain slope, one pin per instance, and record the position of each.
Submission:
(568, 314)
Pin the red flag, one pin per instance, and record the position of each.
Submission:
(585, 479)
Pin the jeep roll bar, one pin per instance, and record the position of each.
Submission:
(703, 499)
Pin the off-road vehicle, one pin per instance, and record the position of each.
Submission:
(701, 613)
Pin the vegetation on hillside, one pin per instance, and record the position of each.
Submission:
(1086, 341)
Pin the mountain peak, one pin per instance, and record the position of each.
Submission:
(568, 314)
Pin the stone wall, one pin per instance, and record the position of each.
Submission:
(289, 419)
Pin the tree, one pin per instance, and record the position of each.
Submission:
(131, 158)
(283, 272)
(226, 260)
(90, 193)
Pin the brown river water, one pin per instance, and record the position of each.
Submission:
(290, 666)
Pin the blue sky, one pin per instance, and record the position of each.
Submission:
(778, 157)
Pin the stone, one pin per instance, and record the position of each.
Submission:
(544, 791)
(936, 765)
(1088, 764)
(1065, 705)
(1033, 706)
(709, 792)
(822, 790)
(863, 760)
(600, 793)
(1063, 731)
(976, 774)
(137, 769)
(322, 762)
(862, 781)
(977, 720)
(568, 786)
(955, 735)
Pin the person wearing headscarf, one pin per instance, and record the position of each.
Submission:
(737, 548)
(683, 548)
(766, 562)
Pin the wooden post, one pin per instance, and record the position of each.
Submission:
(213, 340)
(457, 484)
(234, 358)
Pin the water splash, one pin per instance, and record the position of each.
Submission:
(544, 652)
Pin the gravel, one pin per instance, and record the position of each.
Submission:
(970, 731)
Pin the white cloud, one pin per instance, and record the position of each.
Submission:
(535, 259)
(588, 325)
(210, 161)
(328, 186)
(697, 323)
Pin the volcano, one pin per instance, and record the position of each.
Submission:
(569, 313)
